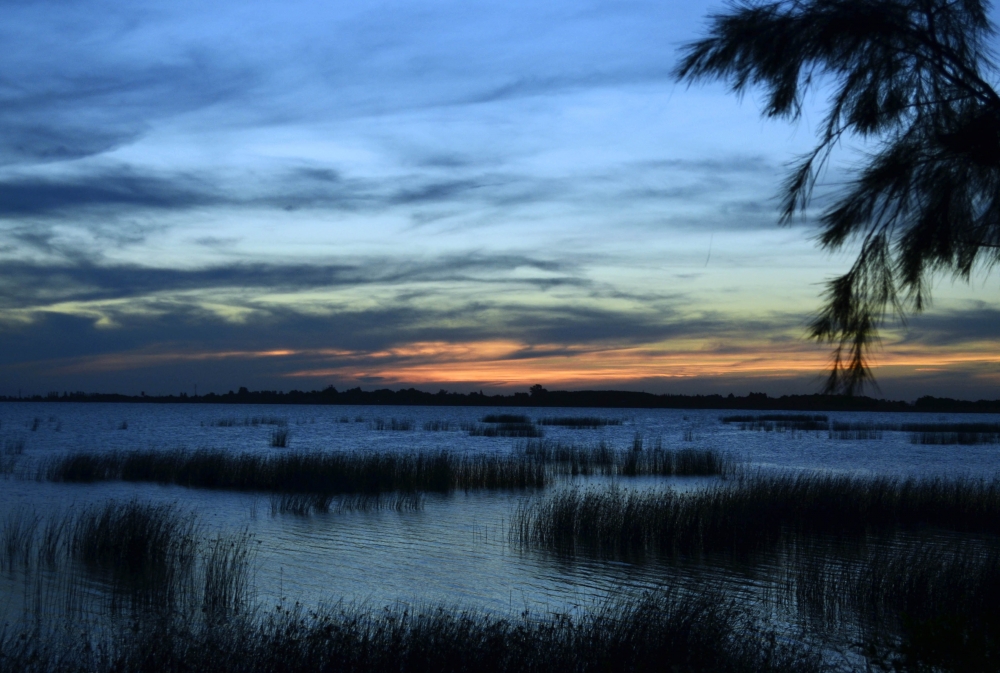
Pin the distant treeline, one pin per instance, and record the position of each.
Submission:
(537, 397)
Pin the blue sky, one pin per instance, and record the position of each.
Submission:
(468, 195)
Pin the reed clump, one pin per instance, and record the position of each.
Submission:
(150, 559)
(227, 575)
(504, 430)
(602, 459)
(279, 438)
(505, 418)
(393, 424)
(304, 504)
(13, 446)
(135, 541)
(916, 604)
(438, 426)
(856, 431)
(755, 514)
(778, 422)
(17, 538)
(921, 433)
(324, 473)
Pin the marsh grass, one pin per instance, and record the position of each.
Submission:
(322, 473)
(439, 426)
(149, 558)
(602, 459)
(304, 504)
(505, 430)
(146, 552)
(53, 538)
(959, 437)
(753, 515)
(10, 461)
(505, 418)
(17, 538)
(916, 604)
(579, 422)
(651, 632)
(393, 424)
(856, 431)
(228, 576)
(279, 438)
(921, 433)
(13, 446)
(778, 422)
(248, 421)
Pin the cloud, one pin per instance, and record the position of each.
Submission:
(99, 101)
(972, 323)
(26, 284)
(119, 190)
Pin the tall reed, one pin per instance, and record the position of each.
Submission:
(916, 604)
(228, 576)
(133, 538)
(753, 514)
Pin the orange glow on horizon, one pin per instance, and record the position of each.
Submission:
(507, 362)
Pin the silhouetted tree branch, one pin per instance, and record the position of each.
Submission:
(909, 76)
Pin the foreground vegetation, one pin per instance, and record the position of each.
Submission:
(654, 632)
(754, 514)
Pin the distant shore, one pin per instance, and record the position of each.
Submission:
(538, 397)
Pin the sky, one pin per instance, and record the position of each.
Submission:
(467, 195)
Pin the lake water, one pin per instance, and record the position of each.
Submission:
(454, 551)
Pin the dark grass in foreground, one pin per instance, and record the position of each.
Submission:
(754, 514)
(661, 633)
(320, 473)
(916, 604)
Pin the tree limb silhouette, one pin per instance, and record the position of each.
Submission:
(909, 76)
